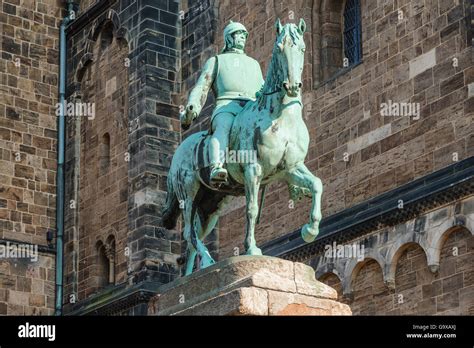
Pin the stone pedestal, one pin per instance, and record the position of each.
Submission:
(249, 285)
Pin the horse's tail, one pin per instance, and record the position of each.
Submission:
(171, 211)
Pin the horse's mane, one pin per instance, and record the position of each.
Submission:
(274, 70)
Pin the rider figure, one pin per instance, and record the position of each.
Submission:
(235, 79)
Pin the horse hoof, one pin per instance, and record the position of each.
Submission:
(254, 251)
(309, 234)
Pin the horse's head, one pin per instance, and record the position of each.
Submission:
(290, 50)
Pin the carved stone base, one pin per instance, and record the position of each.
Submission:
(249, 285)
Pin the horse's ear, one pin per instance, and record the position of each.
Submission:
(278, 26)
(302, 26)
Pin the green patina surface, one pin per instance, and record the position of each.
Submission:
(251, 115)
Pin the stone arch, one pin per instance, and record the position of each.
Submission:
(316, 42)
(86, 59)
(344, 268)
(440, 239)
(394, 254)
(456, 273)
(106, 35)
(110, 238)
(102, 262)
(374, 254)
(105, 260)
(413, 282)
(111, 249)
(334, 281)
(119, 32)
(327, 39)
(328, 268)
(111, 17)
(353, 268)
(439, 235)
(327, 274)
(324, 265)
(367, 287)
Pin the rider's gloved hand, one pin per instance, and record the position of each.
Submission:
(188, 116)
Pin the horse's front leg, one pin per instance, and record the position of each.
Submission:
(253, 177)
(301, 176)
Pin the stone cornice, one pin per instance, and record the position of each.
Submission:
(115, 300)
(431, 191)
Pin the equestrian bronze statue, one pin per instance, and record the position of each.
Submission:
(257, 136)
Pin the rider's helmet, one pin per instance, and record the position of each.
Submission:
(231, 28)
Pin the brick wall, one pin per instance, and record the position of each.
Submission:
(28, 124)
(28, 84)
(27, 286)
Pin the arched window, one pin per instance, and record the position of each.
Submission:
(103, 266)
(105, 262)
(336, 37)
(111, 257)
(104, 156)
(352, 32)
(106, 36)
(331, 45)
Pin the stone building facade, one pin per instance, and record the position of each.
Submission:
(28, 94)
(124, 58)
(400, 185)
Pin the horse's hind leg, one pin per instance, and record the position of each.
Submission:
(191, 251)
(203, 231)
(213, 218)
(302, 176)
(189, 231)
(191, 234)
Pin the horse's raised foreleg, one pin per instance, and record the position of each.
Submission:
(253, 177)
(300, 175)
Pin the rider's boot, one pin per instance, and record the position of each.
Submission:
(218, 174)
